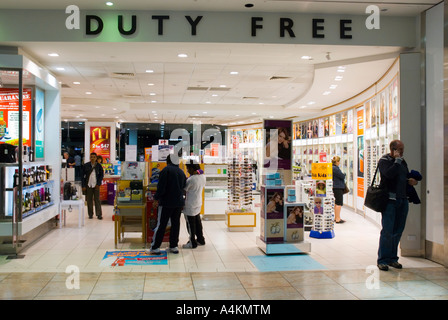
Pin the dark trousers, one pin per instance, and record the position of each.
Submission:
(393, 221)
(93, 195)
(165, 214)
(194, 227)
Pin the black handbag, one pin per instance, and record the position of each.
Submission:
(376, 197)
(346, 189)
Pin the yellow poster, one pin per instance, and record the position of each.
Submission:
(321, 171)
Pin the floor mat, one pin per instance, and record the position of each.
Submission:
(133, 258)
(285, 263)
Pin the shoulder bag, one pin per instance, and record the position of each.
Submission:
(376, 197)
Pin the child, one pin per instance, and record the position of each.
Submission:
(193, 203)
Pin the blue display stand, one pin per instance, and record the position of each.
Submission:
(322, 235)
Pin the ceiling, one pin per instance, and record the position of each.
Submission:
(217, 83)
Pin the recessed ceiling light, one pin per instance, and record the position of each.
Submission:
(214, 95)
(338, 78)
(60, 68)
(54, 54)
(333, 86)
(233, 72)
(150, 84)
(311, 102)
(149, 71)
(88, 92)
(326, 93)
(110, 4)
(76, 82)
(306, 58)
(222, 86)
(182, 55)
(152, 94)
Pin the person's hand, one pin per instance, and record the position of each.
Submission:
(84, 189)
(412, 181)
(396, 154)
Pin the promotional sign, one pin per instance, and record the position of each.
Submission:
(39, 133)
(279, 132)
(360, 147)
(100, 142)
(9, 116)
(321, 171)
(133, 258)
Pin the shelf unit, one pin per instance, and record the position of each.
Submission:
(36, 129)
(216, 190)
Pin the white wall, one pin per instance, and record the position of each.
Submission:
(434, 125)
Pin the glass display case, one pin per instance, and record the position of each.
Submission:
(29, 132)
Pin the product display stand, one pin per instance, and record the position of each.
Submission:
(322, 203)
(240, 216)
(281, 219)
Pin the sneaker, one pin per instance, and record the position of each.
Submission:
(155, 251)
(188, 245)
(174, 250)
(383, 267)
(396, 265)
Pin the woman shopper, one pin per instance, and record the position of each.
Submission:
(193, 204)
(338, 189)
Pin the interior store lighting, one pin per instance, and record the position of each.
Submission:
(110, 4)
(53, 54)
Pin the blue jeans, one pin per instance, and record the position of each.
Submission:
(393, 221)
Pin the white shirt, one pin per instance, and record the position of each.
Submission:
(193, 202)
(92, 179)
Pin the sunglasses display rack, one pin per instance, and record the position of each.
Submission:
(239, 215)
(323, 216)
(240, 181)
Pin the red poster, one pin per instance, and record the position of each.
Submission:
(9, 116)
(100, 142)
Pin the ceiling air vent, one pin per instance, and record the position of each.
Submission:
(251, 98)
(64, 86)
(279, 78)
(219, 89)
(197, 88)
(122, 75)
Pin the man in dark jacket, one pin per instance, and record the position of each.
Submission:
(92, 174)
(169, 198)
(394, 178)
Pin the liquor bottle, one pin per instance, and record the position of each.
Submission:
(25, 178)
(30, 178)
(16, 178)
(3, 128)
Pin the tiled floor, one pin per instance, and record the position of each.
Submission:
(219, 270)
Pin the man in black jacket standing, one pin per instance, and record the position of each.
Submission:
(394, 178)
(92, 175)
(169, 198)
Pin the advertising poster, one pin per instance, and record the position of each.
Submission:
(326, 127)
(9, 116)
(100, 142)
(338, 124)
(282, 152)
(344, 123)
(321, 128)
(274, 222)
(332, 125)
(350, 121)
(360, 145)
(294, 222)
(133, 258)
(39, 133)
